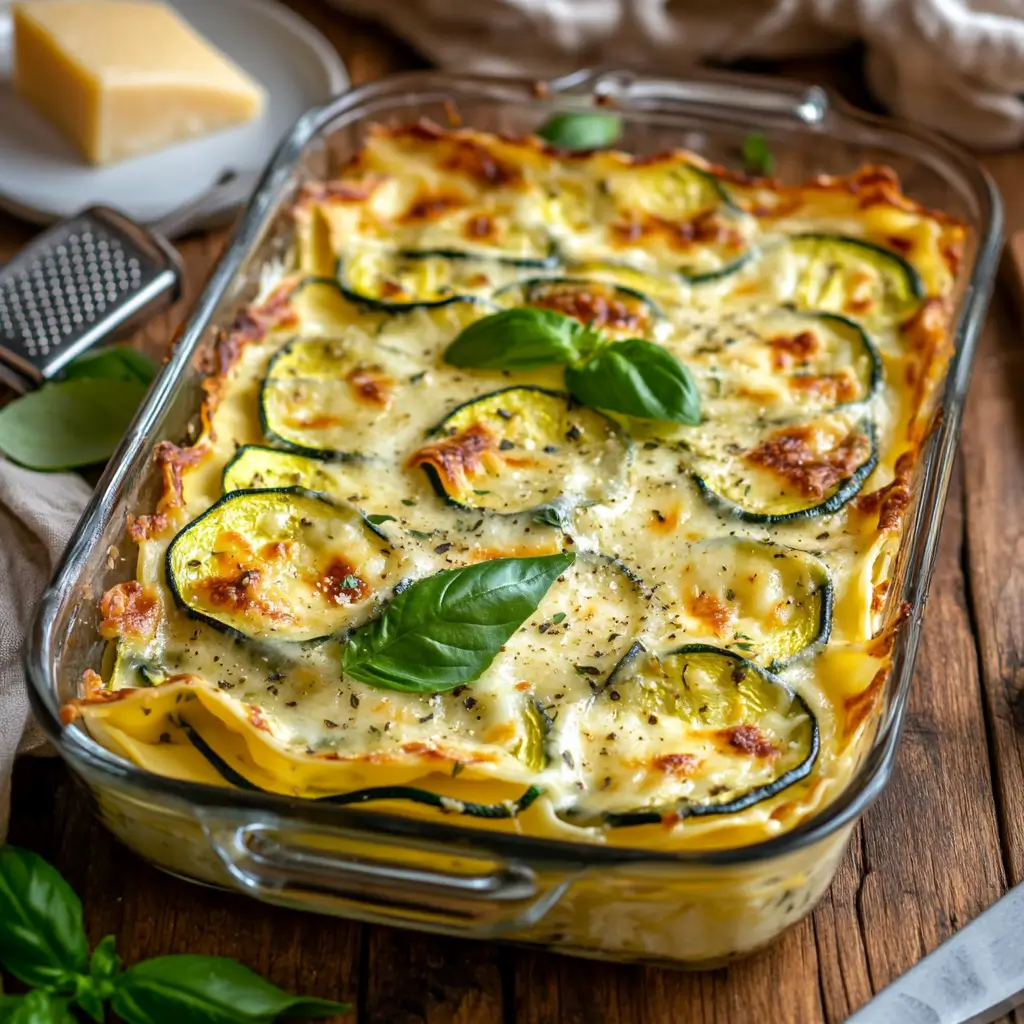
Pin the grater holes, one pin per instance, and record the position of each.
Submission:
(67, 285)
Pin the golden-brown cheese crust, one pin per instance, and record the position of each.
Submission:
(482, 165)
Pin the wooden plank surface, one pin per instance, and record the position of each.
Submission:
(934, 852)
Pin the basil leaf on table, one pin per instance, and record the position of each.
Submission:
(581, 131)
(209, 989)
(523, 338)
(637, 378)
(69, 424)
(445, 630)
(116, 362)
(42, 939)
(38, 1007)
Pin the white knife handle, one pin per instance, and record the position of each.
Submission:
(974, 977)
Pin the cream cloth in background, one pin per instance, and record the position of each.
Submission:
(953, 65)
(38, 513)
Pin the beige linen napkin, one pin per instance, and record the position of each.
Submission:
(38, 513)
(954, 65)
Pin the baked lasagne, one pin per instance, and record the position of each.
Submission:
(552, 492)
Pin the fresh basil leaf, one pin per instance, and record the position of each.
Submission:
(105, 964)
(757, 155)
(581, 131)
(38, 1007)
(116, 362)
(208, 990)
(446, 629)
(88, 998)
(42, 940)
(521, 339)
(68, 424)
(92, 992)
(638, 378)
(8, 1004)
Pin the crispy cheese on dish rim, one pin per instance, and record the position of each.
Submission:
(381, 579)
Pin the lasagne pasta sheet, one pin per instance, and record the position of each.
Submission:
(707, 671)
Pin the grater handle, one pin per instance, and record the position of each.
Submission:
(79, 282)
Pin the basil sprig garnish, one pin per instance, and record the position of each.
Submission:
(757, 155)
(523, 338)
(43, 943)
(634, 377)
(583, 130)
(444, 630)
(638, 378)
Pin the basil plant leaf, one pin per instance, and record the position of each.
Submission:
(69, 424)
(445, 630)
(93, 991)
(637, 378)
(105, 964)
(208, 990)
(42, 939)
(523, 338)
(116, 362)
(38, 1007)
(581, 131)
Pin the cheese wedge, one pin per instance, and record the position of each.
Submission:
(120, 78)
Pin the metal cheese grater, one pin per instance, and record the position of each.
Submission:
(86, 278)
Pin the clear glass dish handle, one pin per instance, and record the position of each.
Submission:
(704, 93)
(362, 875)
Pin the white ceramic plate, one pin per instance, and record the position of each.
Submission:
(42, 178)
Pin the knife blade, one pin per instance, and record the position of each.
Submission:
(974, 977)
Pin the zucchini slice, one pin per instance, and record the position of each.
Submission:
(328, 397)
(579, 633)
(849, 276)
(614, 309)
(254, 467)
(712, 733)
(384, 279)
(766, 601)
(280, 564)
(664, 213)
(531, 746)
(526, 448)
(447, 804)
(132, 668)
(773, 473)
(781, 364)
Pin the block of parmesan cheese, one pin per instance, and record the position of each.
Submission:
(121, 78)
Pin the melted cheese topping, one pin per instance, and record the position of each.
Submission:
(707, 671)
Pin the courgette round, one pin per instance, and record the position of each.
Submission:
(280, 564)
(780, 364)
(767, 601)
(614, 309)
(848, 276)
(775, 473)
(715, 733)
(665, 213)
(447, 804)
(383, 279)
(579, 632)
(328, 397)
(255, 467)
(526, 448)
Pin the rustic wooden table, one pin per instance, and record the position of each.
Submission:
(945, 840)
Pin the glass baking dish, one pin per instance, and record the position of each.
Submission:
(693, 909)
